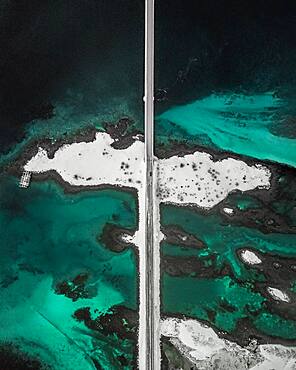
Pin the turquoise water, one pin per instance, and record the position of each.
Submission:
(238, 123)
(48, 237)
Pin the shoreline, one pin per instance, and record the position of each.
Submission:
(238, 335)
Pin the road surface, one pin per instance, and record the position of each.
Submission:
(152, 283)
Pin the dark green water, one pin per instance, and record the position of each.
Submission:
(196, 296)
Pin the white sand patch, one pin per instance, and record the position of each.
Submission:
(195, 179)
(278, 294)
(276, 357)
(94, 163)
(126, 238)
(190, 333)
(202, 346)
(228, 211)
(250, 257)
(192, 179)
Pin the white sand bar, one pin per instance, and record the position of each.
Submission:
(199, 180)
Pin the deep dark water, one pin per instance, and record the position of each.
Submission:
(232, 45)
(87, 51)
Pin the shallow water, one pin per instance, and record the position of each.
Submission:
(236, 123)
(49, 237)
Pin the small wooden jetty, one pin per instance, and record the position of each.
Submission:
(25, 179)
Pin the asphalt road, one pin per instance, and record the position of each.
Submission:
(152, 297)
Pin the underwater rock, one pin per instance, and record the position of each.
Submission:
(76, 288)
(121, 320)
(112, 237)
(175, 234)
(121, 133)
(172, 358)
(13, 359)
(194, 267)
